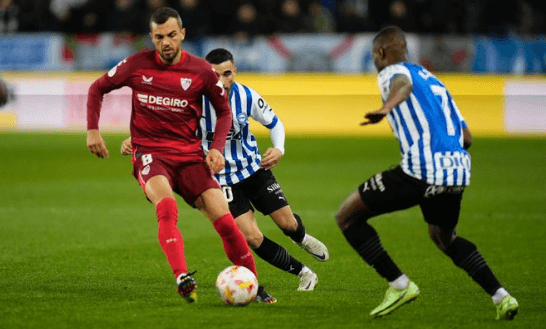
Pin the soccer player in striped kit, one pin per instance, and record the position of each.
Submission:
(247, 180)
(434, 171)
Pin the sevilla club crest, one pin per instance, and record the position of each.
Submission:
(185, 82)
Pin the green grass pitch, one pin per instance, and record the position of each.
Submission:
(78, 241)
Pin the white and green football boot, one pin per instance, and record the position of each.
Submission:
(394, 298)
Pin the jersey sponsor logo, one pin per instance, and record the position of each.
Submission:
(147, 80)
(176, 104)
(232, 135)
(185, 82)
(452, 161)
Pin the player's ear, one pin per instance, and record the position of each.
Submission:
(183, 33)
(382, 52)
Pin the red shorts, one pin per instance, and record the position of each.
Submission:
(187, 179)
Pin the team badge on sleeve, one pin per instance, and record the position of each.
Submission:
(185, 82)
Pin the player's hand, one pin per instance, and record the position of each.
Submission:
(126, 147)
(375, 116)
(96, 145)
(271, 157)
(215, 160)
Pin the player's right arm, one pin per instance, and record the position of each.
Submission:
(215, 92)
(114, 79)
(400, 89)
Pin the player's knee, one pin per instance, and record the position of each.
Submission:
(254, 238)
(340, 219)
(289, 226)
(344, 221)
(442, 237)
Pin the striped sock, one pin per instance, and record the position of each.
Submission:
(465, 255)
(365, 240)
(277, 256)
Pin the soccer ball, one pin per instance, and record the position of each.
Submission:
(237, 285)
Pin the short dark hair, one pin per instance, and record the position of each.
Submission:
(389, 31)
(218, 56)
(161, 15)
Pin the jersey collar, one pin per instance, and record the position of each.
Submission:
(180, 63)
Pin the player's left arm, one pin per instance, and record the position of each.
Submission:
(400, 89)
(273, 155)
(264, 114)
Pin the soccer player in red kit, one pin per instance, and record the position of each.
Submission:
(168, 85)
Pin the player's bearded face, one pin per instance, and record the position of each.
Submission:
(167, 38)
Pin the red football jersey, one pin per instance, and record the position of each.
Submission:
(166, 102)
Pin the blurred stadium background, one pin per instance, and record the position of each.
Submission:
(493, 57)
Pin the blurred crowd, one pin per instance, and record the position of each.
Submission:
(245, 18)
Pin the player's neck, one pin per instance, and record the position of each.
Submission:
(175, 60)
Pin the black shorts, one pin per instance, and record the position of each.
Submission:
(260, 190)
(394, 190)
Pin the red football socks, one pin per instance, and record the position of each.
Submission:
(169, 236)
(234, 242)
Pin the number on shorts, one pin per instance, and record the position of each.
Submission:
(147, 159)
(228, 193)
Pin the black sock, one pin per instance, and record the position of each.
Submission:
(365, 240)
(465, 255)
(277, 256)
(299, 233)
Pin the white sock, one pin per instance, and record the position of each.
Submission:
(179, 279)
(303, 270)
(400, 283)
(499, 295)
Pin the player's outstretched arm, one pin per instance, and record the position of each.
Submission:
(400, 90)
(126, 147)
(95, 144)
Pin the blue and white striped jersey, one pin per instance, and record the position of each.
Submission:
(241, 151)
(429, 128)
